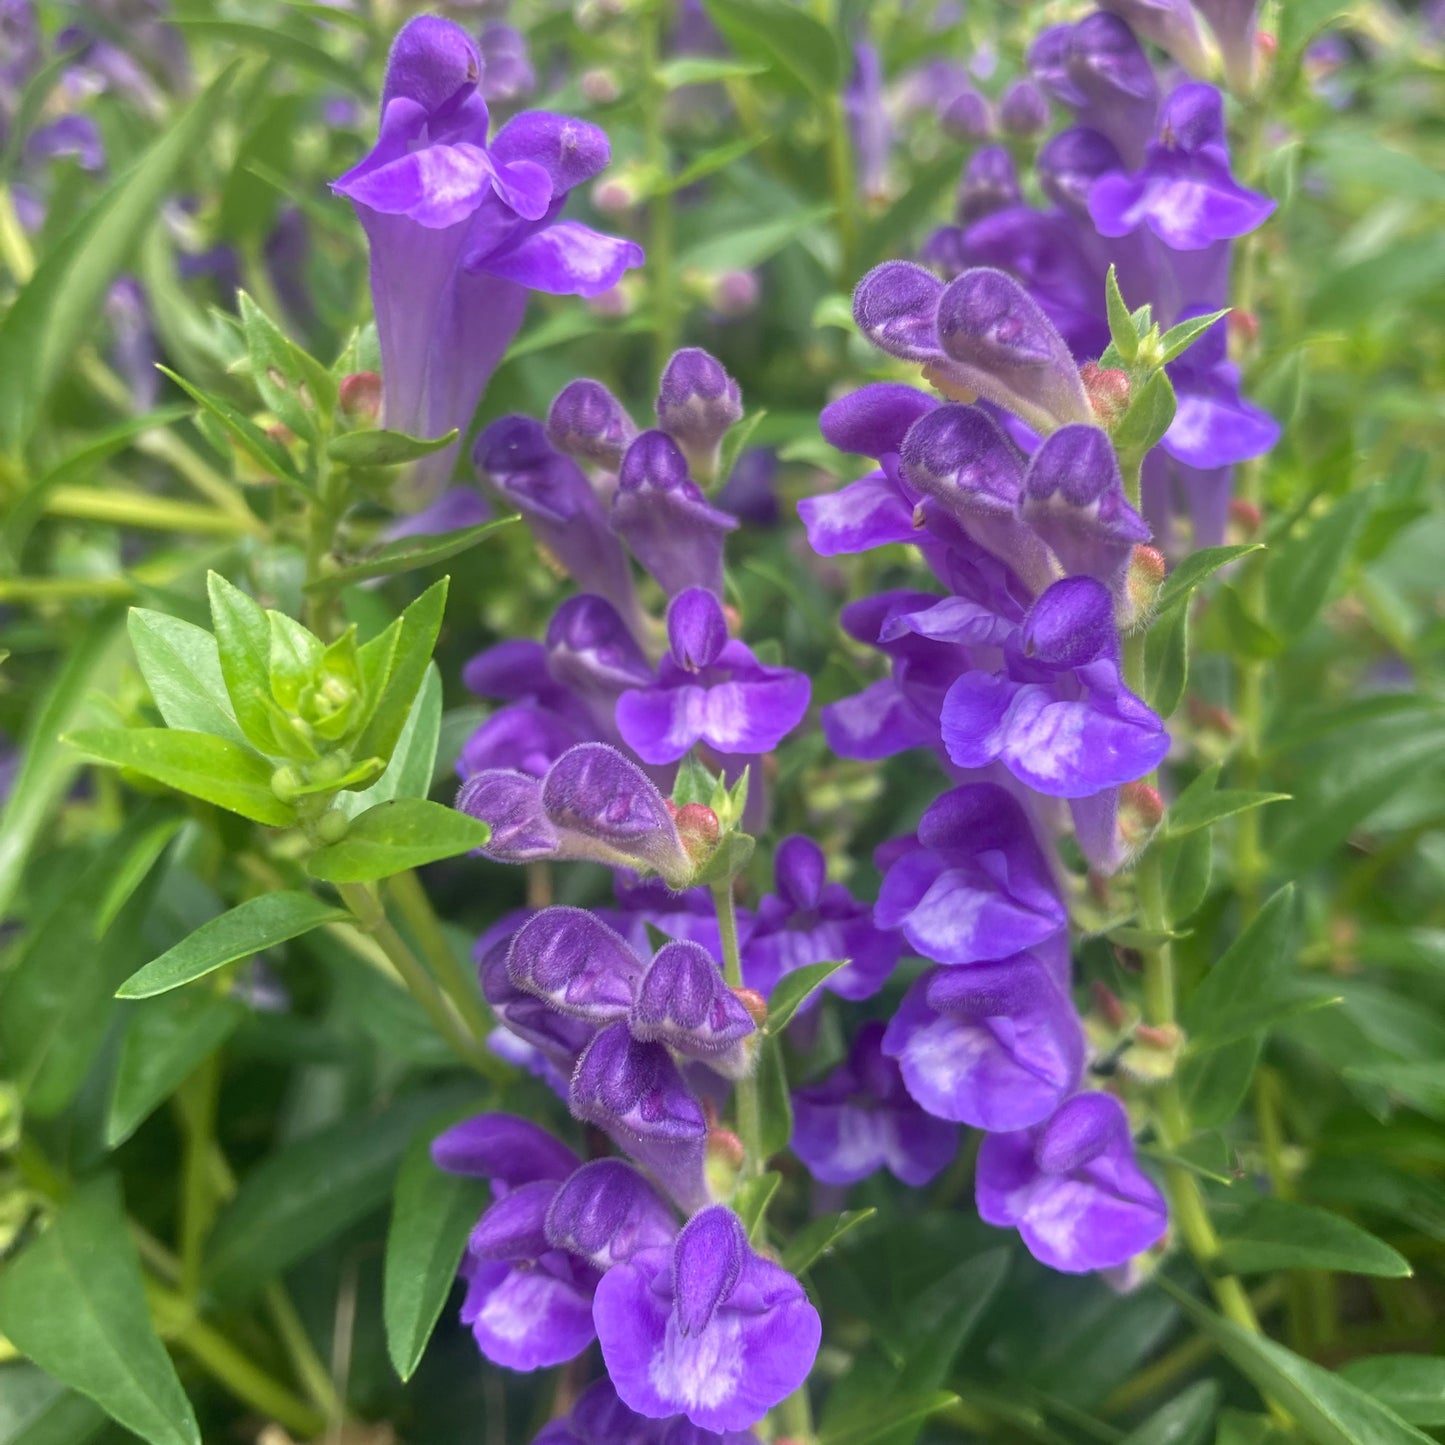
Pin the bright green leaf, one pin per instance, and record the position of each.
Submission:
(751, 1201)
(1413, 1386)
(1198, 567)
(407, 554)
(775, 1100)
(393, 666)
(395, 836)
(182, 668)
(1178, 339)
(793, 989)
(243, 638)
(1274, 1235)
(381, 448)
(263, 449)
(1202, 804)
(819, 1235)
(1121, 324)
(1185, 1420)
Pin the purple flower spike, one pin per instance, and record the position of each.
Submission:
(511, 802)
(1185, 192)
(873, 420)
(994, 1045)
(977, 887)
(1111, 82)
(633, 1090)
(990, 183)
(1059, 718)
(1003, 347)
(606, 1212)
(460, 230)
(861, 1119)
(1074, 499)
(576, 963)
(1023, 111)
(710, 690)
(1071, 1188)
(1169, 24)
(545, 1042)
(1069, 164)
(613, 812)
(503, 1148)
(958, 456)
(809, 920)
(697, 404)
(708, 1329)
(558, 503)
(592, 654)
(684, 1003)
(896, 306)
(662, 515)
(587, 422)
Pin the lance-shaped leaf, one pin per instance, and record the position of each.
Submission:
(393, 665)
(392, 837)
(182, 668)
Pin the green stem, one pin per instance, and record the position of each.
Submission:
(314, 1376)
(750, 1119)
(456, 980)
(198, 1105)
(795, 1417)
(840, 168)
(322, 518)
(661, 220)
(125, 508)
(366, 906)
(220, 1359)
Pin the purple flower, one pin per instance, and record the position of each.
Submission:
(576, 964)
(861, 1119)
(587, 422)
(707, 1329)
(1214, 426)
(592, 654)
(868, 122)
(73, 137)
(1059, 716)
(460, 230)
(809, 920)
(1169, 24)
(683, 1002)
(709, 689)
(976, 887)
(1185, 192)
(503, 1148)
(1071, 1187)
(1023, 111)
(507, 74)
(633, 1091)
(993, 1045)
(606, 1212)
(989, 183)
(662, 515)
(600, 1418)
(697, 404)
(593, 803)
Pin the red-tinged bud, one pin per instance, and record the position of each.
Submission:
(279, 432)
(755, 1003)
(613, 196)
(1213, 717)
(1166, 1037)
(698, 827)
(1245, 518)
(600, 86)
(614, 303)
(360, 396)
(733, 618)
(1142, 581)
(1108, 1005)
(1266, 44)
(724, 1144)
(1243, 324)
(1107, 389)
(1154, 1054)
(1141, 810)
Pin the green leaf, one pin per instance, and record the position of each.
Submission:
(745, 247)
(75, 1303)
(294, 385)
(409, 774)
(1216, 1082)
(1413, 1386)
(1185, 1420)
(1250, 976)
(135, 864)
(1275, 1235)
(182, 668)
(1235, 628)
(36, 1410)
(1166, 661)
(1187, 864)
(382, 448)
(1330, 1410)
(1196, 568)
(46, 765)
(210, 768)
(1303, 570)
(704, 70)
(793, 41)
(734, 443)
(393, 666)
(264, 450)
(751, 1201)
(1178, 339)
(1200, 805)
(819, 1235)
(693, 784)
(61, 304)
(898, 225)
(165, 1042)
(728, 859)
(432, 1213)
(1121, 324)
(243, 638)
(312, 1189)
(250, 927)
(793, 988)
(717, 159)
(775, 1101)
(395, 836)
(899, 1415)
(283, 46)
(1151, 409)
(1418, 1083)
(407, 554)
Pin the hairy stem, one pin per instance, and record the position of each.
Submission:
(750, 1119)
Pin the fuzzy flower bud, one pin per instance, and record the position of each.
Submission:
(697, 404)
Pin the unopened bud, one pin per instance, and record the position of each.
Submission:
(1154, 1054)
(600, 86)
(360, 396)
(724, 1144)
(615, 195)
(286, 782)
(1245, 518)
(1211, 716)
(1243, 324)
(722, 1162)
(734, 293)
(1108, 1005)
(1107, 389)
(333, 826)
(1142, 584)
(1266, 44)
(614, 303)
(1141, 810)
(697, 826)
(755, 1004)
